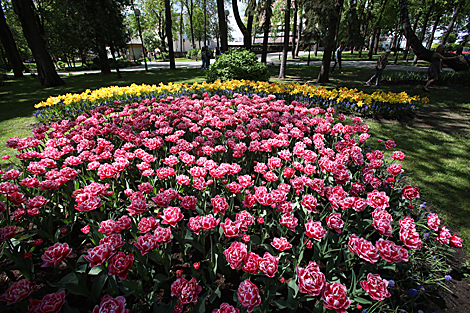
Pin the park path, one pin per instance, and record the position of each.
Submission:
(273, 58)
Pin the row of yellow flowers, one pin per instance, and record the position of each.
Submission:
(338, 95)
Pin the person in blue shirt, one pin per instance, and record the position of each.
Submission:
(339, 51)
(203, 58)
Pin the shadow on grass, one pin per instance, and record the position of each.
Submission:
(438, 164)
(18, 96)
(355, 78)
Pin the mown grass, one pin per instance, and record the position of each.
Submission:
(18, 97)
(348, 56)
(436, 147)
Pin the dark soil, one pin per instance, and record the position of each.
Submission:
(458, 300)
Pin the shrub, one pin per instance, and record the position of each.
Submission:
(449, 46)
(194, 54)
(123, 63)
(237, 64)
(201, 201)
(61, 65)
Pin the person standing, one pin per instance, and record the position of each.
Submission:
(434, 69)
(339, 52)
(203, 58)
(208, 58)
(379, 68)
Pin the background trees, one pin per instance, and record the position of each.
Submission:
(9, 44)
(32, 32)
(76, 29)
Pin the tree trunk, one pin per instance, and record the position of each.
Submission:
(372, 44)
(458, 64)
(407, 47)
(47, 74)
(433, 31)
(308, 59)
(246, 30)
(115, 63)
(297, 46)
(379, 20)
(377, 39)
(451, 23)
(315, 49)
(104, 64)
(222, 25)
(191, 25)
(366, 26)
(394, 43)
(294, 30)
(425, 26)
(169, 34)
(9, 44)
(282, 71)
(236, 15)
(181, 28)
(247, 36)
(398, 46)
(205, 22)
(267, 24)
(323, 77)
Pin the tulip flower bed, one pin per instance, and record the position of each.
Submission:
(214, 204)
(344, 100)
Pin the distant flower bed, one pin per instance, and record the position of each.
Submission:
(446, 78)
(343, 99)
(214, 204)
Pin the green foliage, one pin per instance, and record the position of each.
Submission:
(237, 64)
(452, 38)
(124, 63)
(449, 46)
(194, 53)
(445, 78)
(453, 46)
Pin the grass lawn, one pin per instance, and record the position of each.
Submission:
(348, 56)
(436, 143)
(18, 97)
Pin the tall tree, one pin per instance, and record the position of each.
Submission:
(10, 47)
(377, 28)
(364, 12)
(294, 27)
(350, 28)
(430, 7)
(190, 9)
(181, 25)
(267, 25)
(433, 31)
(415, 25)
(458, 64)
(169, 34)
(47, 74)
(285, 48)
(246, 30)
(334, 9)
(222, 25)
(457, 9)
